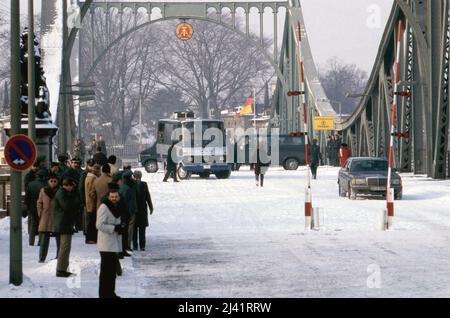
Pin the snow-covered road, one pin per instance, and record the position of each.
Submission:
(229, 238)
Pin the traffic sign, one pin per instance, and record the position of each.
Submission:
(323, 123)
(20, 152)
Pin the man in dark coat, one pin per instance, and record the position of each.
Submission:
(316, 158)
(39, 164)
(62, 160)
(102, 145)
(128, 190)
(117, 181)
(100, 158)
(66, 206)
(171, 164)
(141, 220)
(31, 197)
(74, 173)
(261, 165)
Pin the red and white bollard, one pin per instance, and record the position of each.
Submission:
(308, 208)
(390, 207)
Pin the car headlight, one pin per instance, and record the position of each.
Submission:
(356, 181)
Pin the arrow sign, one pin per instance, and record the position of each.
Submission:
(19, 162)
(20, 152)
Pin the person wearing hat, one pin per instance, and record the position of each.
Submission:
(39, 164)
(66, 206)
(129, 193)
(62, 162)
(74, 173)
(54, 169)
(141, 221)
(31, 175)
(31, 198)
(45, 213)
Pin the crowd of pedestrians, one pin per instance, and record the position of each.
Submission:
(109, 206)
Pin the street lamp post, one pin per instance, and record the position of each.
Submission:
(31, 74)
(15, 251)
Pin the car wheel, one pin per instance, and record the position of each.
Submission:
(223, 175)
(291, 164)
(341, 192)
(351, 194)
(182, 173)
(151, 166)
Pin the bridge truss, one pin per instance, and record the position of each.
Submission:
(421, 137)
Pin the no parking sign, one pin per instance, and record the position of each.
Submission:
(20, 152)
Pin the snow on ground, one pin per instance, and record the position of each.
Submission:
(229, 238)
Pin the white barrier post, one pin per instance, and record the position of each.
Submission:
(382, 220)
(316, 219)
(390, 206)
(308, 208)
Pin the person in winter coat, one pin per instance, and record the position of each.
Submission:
(316, 158)
(101, 184)
(45, 213)
(91, 206)
(76, 151)
(31, 198)
(66, 205)
(62, 162)
(343, 154)
(128, 191)
(109, 243)
(262, 163)
(141, 220)
(171, 164)
(112, 163)
(337, 146)
(102, 145)
(100, 158)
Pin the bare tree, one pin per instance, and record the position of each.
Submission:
(123, 76)
(215, 68)
(338, 79)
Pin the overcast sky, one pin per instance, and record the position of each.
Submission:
(348, 29)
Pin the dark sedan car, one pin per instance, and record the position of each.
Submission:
(367, 176)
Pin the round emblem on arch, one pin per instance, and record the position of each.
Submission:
(184, 31)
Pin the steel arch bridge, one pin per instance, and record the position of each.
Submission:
(285, 110)
(422, 99)
(421, 137)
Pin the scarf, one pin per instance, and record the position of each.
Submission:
(114, 208)
(50, 192)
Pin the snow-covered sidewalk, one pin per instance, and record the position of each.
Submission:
(229, 238)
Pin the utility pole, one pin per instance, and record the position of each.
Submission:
(15, 250)
(31, 74)
(140, 121)
(63, 123)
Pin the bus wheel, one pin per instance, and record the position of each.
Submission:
(290, 164)
(182, 173)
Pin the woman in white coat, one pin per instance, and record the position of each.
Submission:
(109, 242)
